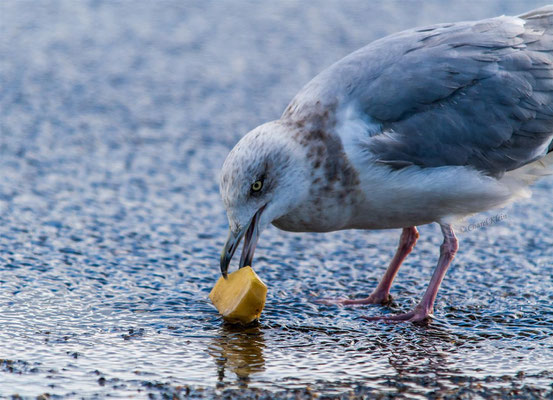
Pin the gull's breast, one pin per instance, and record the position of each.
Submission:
(317, 215)
(332, 204)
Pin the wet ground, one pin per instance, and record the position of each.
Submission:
(115, 119)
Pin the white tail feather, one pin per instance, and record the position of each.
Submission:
(530, 173)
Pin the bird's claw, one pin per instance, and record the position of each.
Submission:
(339, 302)
(416, 315)
(372, 299)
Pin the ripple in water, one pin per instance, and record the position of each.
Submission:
(115, 122)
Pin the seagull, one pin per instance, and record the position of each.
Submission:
(428, 125)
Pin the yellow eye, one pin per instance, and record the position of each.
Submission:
(256, 186)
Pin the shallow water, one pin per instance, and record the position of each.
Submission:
(115, 120)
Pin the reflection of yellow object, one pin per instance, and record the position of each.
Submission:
(239, 298)
(238, 350)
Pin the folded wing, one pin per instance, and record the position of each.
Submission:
(476, 94)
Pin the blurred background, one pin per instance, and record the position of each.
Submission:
(115, 118)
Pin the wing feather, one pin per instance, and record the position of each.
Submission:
(473, 93)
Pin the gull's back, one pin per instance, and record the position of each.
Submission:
(476, 94)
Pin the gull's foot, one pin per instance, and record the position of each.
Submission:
(372, 299)
(419, 314)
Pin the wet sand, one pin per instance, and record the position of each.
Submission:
(115, 119)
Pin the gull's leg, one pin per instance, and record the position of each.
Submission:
(381, 295)
(424, 309)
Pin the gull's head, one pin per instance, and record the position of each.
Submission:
(263, 178)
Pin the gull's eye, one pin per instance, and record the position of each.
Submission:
(256, 186)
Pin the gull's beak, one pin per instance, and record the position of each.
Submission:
(251, 231)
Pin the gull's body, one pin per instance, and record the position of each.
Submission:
(427, 125)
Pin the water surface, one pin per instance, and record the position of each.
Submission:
(115, 120)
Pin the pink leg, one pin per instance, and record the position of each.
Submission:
(425, 308)
(381, 295)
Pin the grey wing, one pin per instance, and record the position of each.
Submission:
(474, 93)
(479, 96)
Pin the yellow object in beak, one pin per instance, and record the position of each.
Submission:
(241, 297)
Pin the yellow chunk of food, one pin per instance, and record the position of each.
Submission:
(241, 297)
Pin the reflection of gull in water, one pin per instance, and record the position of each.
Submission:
(240, 350)
(427, 125)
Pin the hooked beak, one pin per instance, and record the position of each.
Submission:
(251, 231)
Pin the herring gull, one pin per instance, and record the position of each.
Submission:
(426, 125)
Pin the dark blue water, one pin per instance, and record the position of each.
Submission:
(115, 119)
